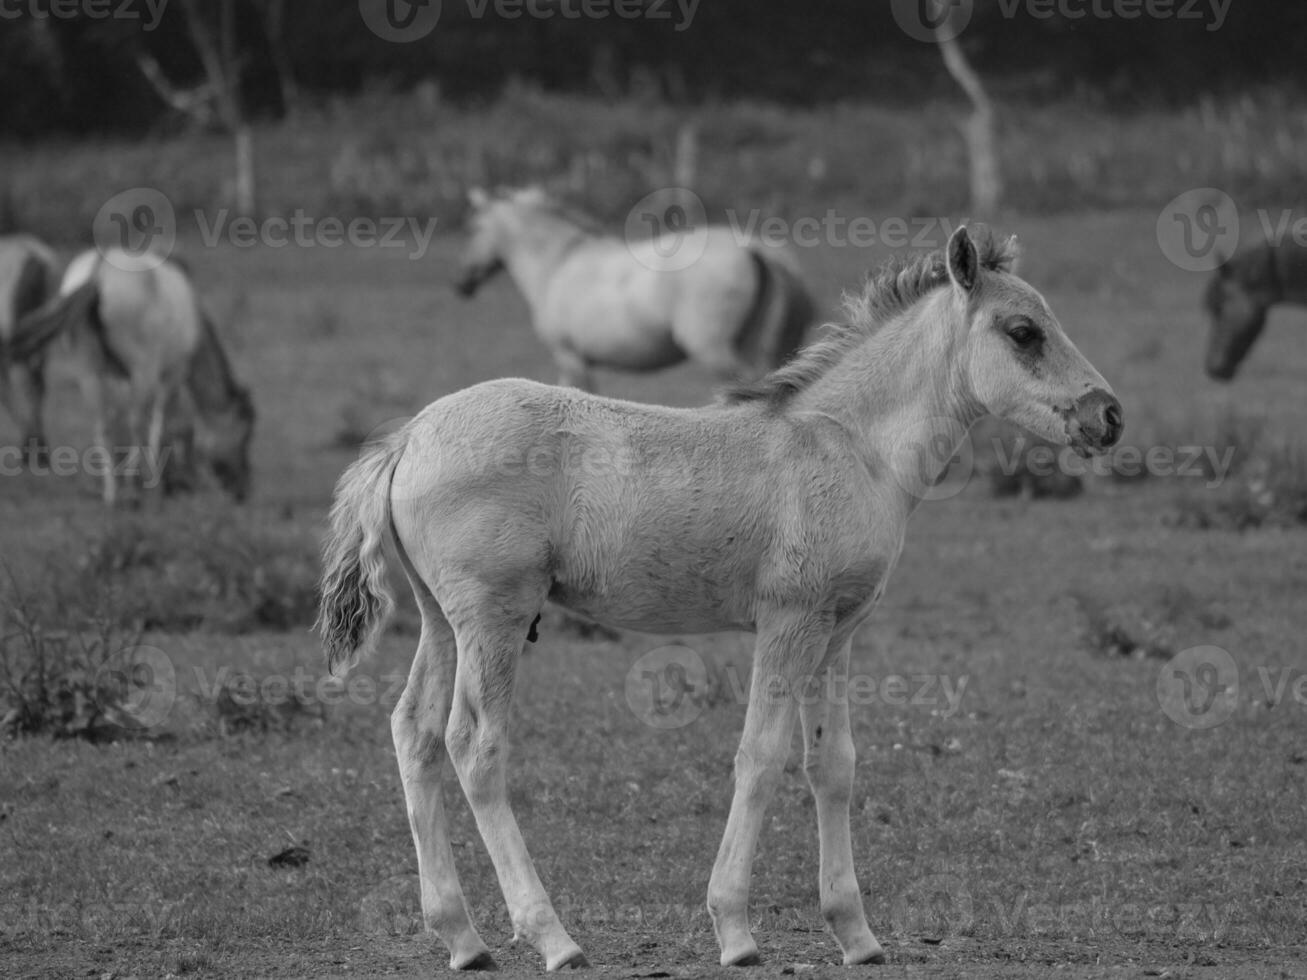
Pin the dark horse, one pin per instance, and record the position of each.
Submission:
(1241, 294)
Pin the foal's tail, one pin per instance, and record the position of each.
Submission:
(782, 311)
(355, 600)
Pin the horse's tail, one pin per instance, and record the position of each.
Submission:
(355, 600)
(782, 311)
(39, 329)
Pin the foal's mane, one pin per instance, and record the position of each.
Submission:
(899, 284)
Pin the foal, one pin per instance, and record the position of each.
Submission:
(781, 511)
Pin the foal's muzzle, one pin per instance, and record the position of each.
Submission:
(1097, 422)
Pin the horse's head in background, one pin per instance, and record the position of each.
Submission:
(487, 232)
(223, 443)
(1238, 297)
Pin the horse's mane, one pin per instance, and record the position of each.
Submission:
(899, 284)
(541, 200)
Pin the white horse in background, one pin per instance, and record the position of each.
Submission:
(29, 276)
(781, 510)
(146, 355)
(598, 301)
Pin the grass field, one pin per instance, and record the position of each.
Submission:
(1052, 818)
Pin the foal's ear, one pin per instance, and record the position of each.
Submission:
(477, 197)
(963, 260)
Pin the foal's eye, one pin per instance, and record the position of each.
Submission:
(1024, 334)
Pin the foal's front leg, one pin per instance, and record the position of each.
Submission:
(789, 649)
(828, 762)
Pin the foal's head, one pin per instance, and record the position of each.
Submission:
(1020, 365)
(1237, 300)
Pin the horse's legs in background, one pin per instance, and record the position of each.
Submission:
(573, 370)
(418, 725)
(22, 392)
(490, 640)
(790, 647)
(828, 759)
(704, 343)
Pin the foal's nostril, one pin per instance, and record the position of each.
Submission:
(1112, 414)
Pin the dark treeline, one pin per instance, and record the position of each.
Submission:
(77, 73)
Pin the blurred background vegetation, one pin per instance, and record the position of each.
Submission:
(794, 108)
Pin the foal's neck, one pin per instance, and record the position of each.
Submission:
(903, 394)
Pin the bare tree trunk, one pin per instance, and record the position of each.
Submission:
(222, 65)
(274, 28)
(982, 142)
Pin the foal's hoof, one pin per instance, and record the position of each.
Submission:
(574, 960)
(746, 958)
(867, 959)
(482, 961)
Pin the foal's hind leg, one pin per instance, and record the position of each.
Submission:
(489, 642)
(828, 758)
(418, 726)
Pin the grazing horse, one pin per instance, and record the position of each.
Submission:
(144, 350)
(739, 310)
(780, 510)
(28, 278)
(1240, 295)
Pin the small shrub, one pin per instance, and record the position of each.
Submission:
(57, 681)
(192, 565)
